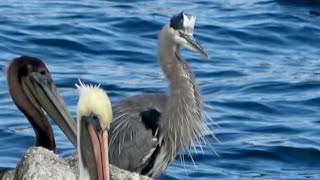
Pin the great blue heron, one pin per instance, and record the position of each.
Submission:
(94, 115)
(33, 90)
(148, 130)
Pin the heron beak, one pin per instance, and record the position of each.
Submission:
(44, 94)
(194, 45)
(94, 148)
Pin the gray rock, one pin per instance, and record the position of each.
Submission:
(39, 163)
(115, 172)
(73, 162)
(9, 175)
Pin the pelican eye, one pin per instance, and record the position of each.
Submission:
(94, 121)
(95, 117)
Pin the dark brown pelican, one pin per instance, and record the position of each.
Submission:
(33, 91)
(94, 113)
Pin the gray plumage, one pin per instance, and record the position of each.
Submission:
(148, 130)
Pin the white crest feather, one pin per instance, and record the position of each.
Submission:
(189, 23)
(83, 88)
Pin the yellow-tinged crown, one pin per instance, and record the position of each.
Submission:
(95, 100)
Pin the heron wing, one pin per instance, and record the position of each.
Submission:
(134, 131)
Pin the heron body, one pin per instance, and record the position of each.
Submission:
(148, 130)
(94, 115)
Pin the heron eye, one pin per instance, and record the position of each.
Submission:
(181, 33)
(43, 72)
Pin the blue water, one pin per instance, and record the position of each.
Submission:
(263, 81)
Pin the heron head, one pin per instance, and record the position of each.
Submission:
(181, 27)
(94, 113)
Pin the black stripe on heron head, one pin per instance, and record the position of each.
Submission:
(176, 22)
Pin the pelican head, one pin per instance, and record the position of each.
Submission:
(33, 90)
(94, 113)
(181, 28)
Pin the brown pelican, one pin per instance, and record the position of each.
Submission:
(33, 90)
(94, 114)
(148, 130)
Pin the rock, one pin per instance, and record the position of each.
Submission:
(9, 175)
(39, 163)
(73, 162)
(115, 172)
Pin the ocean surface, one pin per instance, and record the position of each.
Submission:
(262, 82)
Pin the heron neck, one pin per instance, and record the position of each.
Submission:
(39, 122)
(184, 103)
(173, 65)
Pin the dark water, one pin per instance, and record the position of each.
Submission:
(263, 81)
